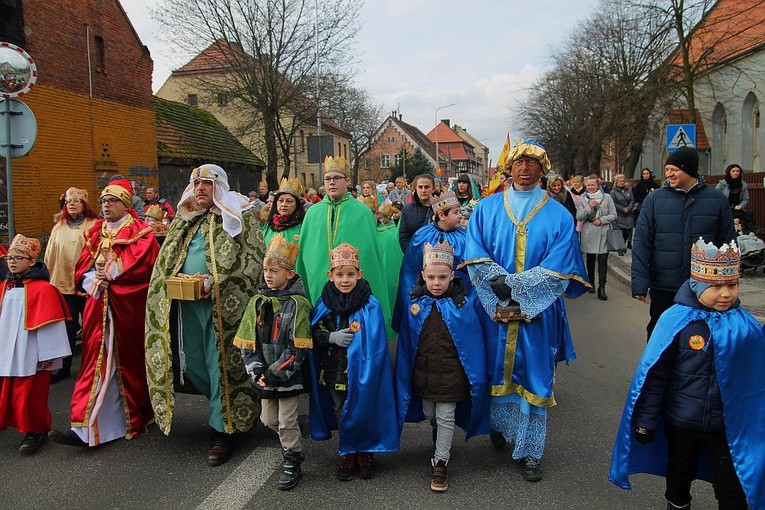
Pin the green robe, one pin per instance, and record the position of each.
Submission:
(328, 224)
(390, 250)
(235, 268)
(291, 235)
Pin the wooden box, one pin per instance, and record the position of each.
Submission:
(185, 287)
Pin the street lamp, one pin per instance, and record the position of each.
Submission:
(436, 123)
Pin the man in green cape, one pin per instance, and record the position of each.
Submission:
(338, 219)
(189, 344)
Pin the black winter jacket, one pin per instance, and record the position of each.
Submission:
(670, 222)
(682, 386)
(414, 216)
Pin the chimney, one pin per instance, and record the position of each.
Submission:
(446, 121)
(400, 116)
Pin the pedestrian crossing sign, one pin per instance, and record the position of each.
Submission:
(680, 135)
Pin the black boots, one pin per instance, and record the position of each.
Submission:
(591, 290)
(291, 472)
(602, 293)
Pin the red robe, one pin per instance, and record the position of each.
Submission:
(135, 249)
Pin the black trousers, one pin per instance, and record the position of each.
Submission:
(661, 300)
(602, 268)
(684, 447)
(76, 306)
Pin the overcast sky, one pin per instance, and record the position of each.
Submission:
(418, 55)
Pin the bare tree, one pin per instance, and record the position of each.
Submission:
(269, 50)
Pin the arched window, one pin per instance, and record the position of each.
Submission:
(751, 138)
(719, 139)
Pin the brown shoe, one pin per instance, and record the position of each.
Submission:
(220, 450)
(366, 465)
(438, 480)
(347, 467)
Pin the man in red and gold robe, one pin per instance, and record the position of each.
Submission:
(111, 397)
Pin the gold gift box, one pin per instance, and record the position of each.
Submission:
(185, 287)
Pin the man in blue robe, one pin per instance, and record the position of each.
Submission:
(522, 254)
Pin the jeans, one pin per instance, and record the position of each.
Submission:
(441, 414)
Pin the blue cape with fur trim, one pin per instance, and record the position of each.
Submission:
(368, 419)
(739, 354)
(462, 322)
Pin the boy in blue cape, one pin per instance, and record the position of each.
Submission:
(440, 362)
(351, 373)
(696, 407)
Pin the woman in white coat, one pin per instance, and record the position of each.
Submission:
(597, 213)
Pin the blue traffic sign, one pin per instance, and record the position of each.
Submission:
(680, 135)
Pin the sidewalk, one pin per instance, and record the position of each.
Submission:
(751, 285)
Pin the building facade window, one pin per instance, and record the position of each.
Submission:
(222, 98)
(192, 100)
(397, 159)
(384, 160)
(100, 55)
(11, 22)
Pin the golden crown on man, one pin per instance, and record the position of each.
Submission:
(338, 164)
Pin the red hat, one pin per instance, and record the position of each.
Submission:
(121, 189)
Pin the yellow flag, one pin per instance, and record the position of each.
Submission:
(494, 182)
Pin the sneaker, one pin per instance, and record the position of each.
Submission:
(31, 443)
(497, 439)
(291, 471)
(68, 438)
(438, 480)
(531, 469)
(347, 467)
(366, 465)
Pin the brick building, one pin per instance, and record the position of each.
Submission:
(387, 145)
(457, 156)
(92, 101)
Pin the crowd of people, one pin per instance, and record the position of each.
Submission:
(252, 301)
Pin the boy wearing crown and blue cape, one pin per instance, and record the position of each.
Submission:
(352, 381)
(274, 335)
(696, 407)
(446, 227)
(440, 361)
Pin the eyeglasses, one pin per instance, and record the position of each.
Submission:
(528, 161)
(110, 201)
(337, 178)
(74, 201)
(16, 259)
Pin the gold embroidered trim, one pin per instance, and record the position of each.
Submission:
(332, 236)
(303, 343)
(473, 261)
(243, 343)
(568, 277)
(498, 391)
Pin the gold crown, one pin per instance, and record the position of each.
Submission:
(292, 187)
(440, 254)
(443, 201)
(76, 194)
(338, 164)
(344, 255)
(715, 266)
(29, 246)
(155, 211)
(281, 250)
(387, 210)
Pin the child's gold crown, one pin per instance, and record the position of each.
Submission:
(715, 266)
(29, 246)
(441, 254)
(344, 255)
(280, 249)
(292, 187)
(445, 200)
(338, 164)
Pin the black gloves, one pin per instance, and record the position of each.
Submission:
(500, 288)
(643, 435)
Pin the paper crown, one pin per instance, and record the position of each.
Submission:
(155, 211)
(121, 189)
(440, 254)
(443, 201)
(344, 255)
(715, 266)
(29, 246)
(292, 187)
(387, 210)
(338, 164)
(283, 251)
(530, 148)
(76, 194)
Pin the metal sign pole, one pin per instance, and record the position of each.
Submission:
(8, 170)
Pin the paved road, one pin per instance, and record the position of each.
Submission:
(155, 471)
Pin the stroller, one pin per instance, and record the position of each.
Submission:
(751, 247)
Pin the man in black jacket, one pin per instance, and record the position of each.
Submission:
(418, 213)
(672, 219)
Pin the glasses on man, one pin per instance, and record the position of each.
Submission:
(528, 161)
(10, 258)
(336, 178)
(108, 200)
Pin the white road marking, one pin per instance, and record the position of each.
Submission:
(245, 481)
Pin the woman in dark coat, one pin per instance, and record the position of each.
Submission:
(625, 205)
(642, 188)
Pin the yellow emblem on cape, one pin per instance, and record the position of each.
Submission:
(355, 326)
(697, 342)
(415, 309)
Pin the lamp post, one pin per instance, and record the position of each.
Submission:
(436, 123)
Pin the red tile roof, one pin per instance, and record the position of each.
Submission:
(445, 134)
(681, 117)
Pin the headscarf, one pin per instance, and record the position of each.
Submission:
(530, 148)
(230, 203)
